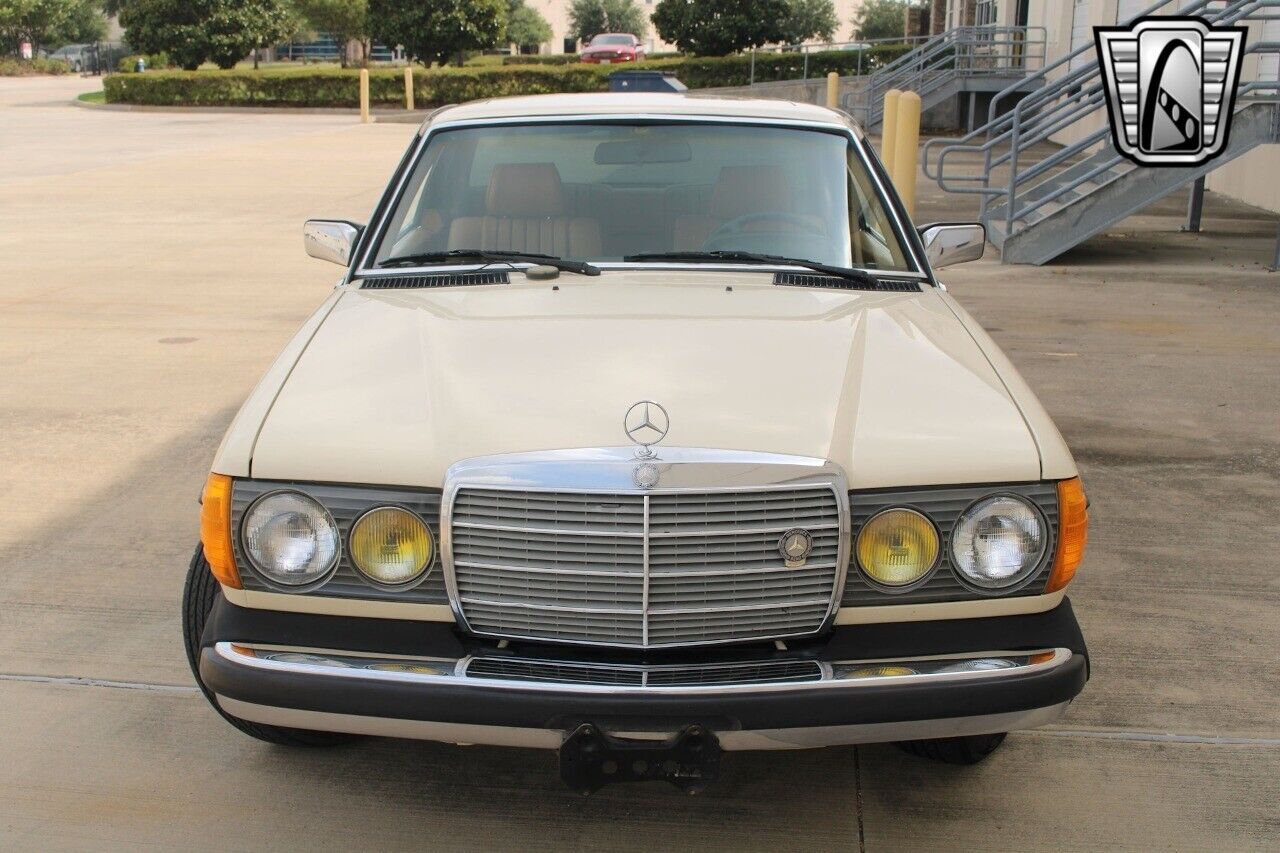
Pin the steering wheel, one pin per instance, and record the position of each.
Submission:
(737, 225)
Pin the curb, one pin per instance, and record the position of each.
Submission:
(381, 116)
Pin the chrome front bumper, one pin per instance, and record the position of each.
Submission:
(510, 700)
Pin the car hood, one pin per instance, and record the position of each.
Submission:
(397, 385)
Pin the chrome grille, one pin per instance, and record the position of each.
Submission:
(626, 568)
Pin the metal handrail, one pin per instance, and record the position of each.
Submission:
(1050, 109)
(959, 52)
(806, 48)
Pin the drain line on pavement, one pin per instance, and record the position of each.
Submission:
(1156, 737)
(75, 681)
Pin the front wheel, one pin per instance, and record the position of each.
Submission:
(198, 597)
(969, 749)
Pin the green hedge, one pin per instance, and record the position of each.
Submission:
(541, 59)
(13, 67)
(710, 72)
(155, 62)
(335, 87)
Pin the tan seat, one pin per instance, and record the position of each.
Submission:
(526, 211)
(739, 191)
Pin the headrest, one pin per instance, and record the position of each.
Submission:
(741, 190)
(524, 190)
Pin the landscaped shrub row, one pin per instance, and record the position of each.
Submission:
(334, 87)
(13, 67)
(709, 72)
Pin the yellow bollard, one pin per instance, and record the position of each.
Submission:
(364, 95)
(888, 128)
(833, 90)
(906, 145)
(408, 87)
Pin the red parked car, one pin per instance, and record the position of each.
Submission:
(613, 47)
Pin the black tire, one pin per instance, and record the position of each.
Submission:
(954, 750)
(198, 597)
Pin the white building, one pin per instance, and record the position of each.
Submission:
(1068, 24)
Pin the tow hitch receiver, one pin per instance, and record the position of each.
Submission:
(591, 759)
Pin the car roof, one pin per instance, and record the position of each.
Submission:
(636, 103)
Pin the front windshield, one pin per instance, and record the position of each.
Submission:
(611, 40)
(602, 192)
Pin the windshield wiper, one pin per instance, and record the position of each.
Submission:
(732, 255)
(492, 255)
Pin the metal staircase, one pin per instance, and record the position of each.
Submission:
(973, 60)
(1037, 206)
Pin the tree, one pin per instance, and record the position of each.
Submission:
(49, 23)
(260, 22)
(436, 30)
(345, 20)
(590, 18)
(808, 19)
(720, 27)
(191, 31)
(526, 28)
(880, 19)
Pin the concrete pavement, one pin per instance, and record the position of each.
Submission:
(154, 268)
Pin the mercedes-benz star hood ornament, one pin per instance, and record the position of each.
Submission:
(646, 423)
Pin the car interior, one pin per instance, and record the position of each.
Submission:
(634, 196)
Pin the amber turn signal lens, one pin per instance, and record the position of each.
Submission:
(215, 530)
(1073, 533)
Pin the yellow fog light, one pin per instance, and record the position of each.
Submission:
(877, 671)
(897, 547)
(391, 546)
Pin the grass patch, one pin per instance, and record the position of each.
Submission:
(98, 97)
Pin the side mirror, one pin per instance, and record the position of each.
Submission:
(947, 243)
(330, 239)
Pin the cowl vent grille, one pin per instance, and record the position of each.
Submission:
(410, 282)
(800, 279)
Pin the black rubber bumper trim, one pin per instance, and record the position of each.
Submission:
(477, 704)
(1055, 628)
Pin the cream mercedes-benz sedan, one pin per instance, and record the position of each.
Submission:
(641, 428)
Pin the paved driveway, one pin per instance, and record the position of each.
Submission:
(153, 267)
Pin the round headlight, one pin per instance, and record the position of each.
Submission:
(998, 541)
(290, 538)
(391, 546)
(897, 547)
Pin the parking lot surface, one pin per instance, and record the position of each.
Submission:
(154, 268)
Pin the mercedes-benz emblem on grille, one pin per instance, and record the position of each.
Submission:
(646, 475)
(1171, 88)
(646, 424)
(795, 546)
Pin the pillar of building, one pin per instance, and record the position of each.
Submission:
(937, 16)
(917, 21)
